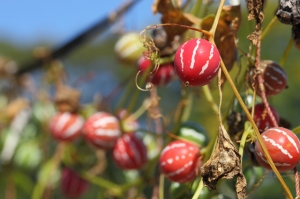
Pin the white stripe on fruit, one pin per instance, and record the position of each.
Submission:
(284, 151)
(288, 137)
(181, 56)
(178, 171)
(61, 121)
(75, 127)
(194, 53)
(177, 145)
(275, 163)
(104, 121)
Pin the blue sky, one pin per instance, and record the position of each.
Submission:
(31, 21)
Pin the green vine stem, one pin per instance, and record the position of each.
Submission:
(269, 27)
(198, 190)
(248, 131)
(128, 90)
(54, 162)
(161, 186)
(296, 130)
(210, 99)
(137, 91)
(286, 52)
(113, 188)
(261, 87)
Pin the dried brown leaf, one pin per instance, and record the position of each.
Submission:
(177, 17)
(224, 163)
(224, 39)
(255, 8)
(233, 16)
(67, 99)
(162, 6)
(254, 37)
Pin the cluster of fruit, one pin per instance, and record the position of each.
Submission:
(103, 131)
(196, 63)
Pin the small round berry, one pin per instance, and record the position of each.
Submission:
(72, 185)
(102, 130)
(129, 48)
(178, 161)
(66, 126)
(262, 118)
(130, 152)
(283, 147)
(273, 76)
(162, 76)
(197, 62)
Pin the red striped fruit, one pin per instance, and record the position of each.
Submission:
(66, 126)
(197, 62)
(102, 130)
(130, 152)
(162, 76)
(273, 76)
(262, 118)
(178, 161)
(283, 147)
(72, 185)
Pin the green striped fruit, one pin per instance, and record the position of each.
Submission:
(194, 132)
(129, 48)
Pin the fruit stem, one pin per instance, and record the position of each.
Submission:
(245, 135)
(161, 186)
(297, 182)
(261, 85)
(128, 90)
(112, 187)
(198, 190)
(210, 99)
(296, 130)
(180, 110)
(54, 163)
(154, 110)
(137, 91)
(216, 20)
(286, 52)
(268, 28)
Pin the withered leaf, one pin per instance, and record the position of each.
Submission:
(224, 39)
(233, 16)
(255, 8)
(177, 17)
(67, 98)
(254, 37)
(224, 163)
(162, 6)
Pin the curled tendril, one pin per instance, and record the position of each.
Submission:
(149, 85)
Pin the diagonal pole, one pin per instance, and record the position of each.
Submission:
(81, 38)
